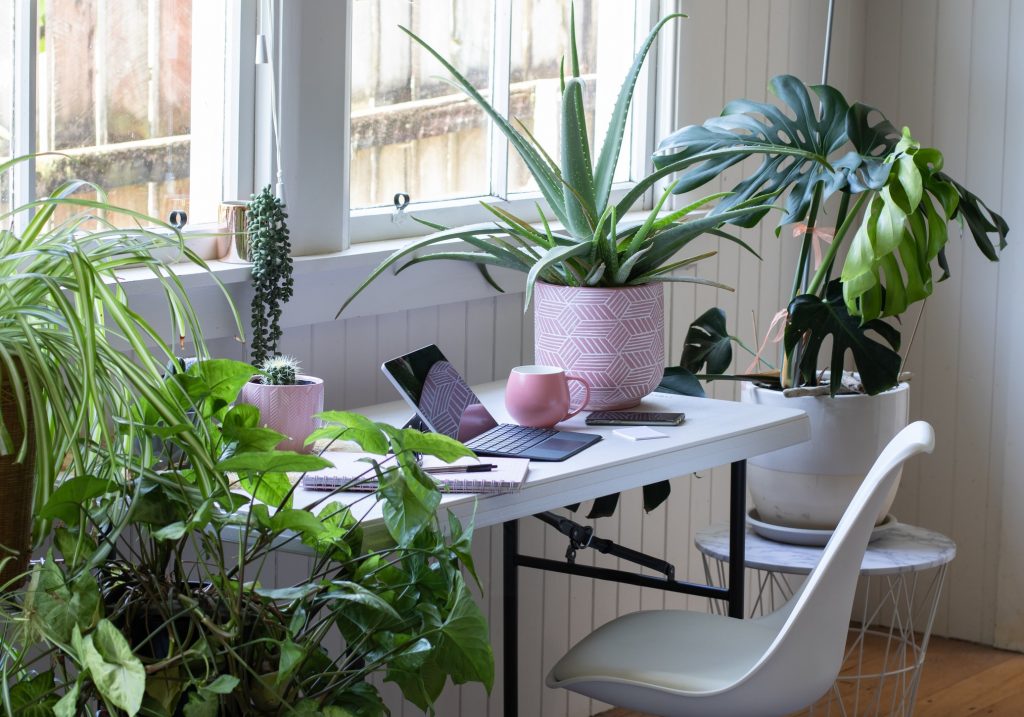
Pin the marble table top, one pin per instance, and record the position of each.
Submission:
(900, 549)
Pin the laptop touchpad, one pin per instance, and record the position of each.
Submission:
(557, 443)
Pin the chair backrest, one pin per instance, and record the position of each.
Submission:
(808, 651)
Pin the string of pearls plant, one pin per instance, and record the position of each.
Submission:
(270, 254)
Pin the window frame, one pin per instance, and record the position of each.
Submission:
(381, 223)
(236, 117)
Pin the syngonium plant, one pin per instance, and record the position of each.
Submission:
(596, 246)
(892, 250)
(154, 598)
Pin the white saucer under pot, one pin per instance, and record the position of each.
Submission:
(810, 484)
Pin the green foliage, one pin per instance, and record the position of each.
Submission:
(135, 627)
(279, 370)
(65, 318)
(815, 147)
(596, 246)
(270, 254)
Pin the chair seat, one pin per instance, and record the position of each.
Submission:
(671, 651)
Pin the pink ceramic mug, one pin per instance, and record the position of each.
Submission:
(538, 396)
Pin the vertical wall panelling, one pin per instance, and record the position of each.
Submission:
(1008, 409)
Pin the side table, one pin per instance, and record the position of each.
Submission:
(901, 579)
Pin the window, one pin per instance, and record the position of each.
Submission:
(129, 96)
(412, 132)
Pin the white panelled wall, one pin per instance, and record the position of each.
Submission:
(952, 71)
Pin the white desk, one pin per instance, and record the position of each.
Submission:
(714, 433)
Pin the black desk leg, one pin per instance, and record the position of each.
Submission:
(737, 536)
(511, 620)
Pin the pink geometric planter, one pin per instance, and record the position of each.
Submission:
(612, 338)
(287, 409)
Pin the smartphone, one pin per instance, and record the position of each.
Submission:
(634, 418)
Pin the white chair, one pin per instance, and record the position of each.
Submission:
(678, 663)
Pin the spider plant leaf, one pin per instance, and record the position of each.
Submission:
(604, 173)
(577, 174)
(668, 268)
(473, 257)
(548, 184)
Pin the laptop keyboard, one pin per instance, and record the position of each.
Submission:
(510, 439)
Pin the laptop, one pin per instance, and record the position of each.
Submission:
(446, 404)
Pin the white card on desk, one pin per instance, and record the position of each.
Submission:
(639, 433)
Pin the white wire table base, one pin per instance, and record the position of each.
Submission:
(885, 652)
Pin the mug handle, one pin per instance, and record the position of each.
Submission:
(586, 396)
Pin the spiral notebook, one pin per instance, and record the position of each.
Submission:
(508, 476)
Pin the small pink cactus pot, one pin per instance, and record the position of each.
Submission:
(287, 409)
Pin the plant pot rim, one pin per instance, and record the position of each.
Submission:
(645, 285)
(902, 386)
(301, 380)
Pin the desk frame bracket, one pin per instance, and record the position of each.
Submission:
(513, 560)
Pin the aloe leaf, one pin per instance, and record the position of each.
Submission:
(546, 181)
(638, 238)
(466, 233)
(577, 174)
(622, 272)
(609, 157)
(551, 257)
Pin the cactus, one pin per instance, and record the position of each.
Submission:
(279, 371)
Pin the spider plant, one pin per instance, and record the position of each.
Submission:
(596, 245)
(74, 356)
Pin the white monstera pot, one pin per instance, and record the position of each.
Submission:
(809, 485)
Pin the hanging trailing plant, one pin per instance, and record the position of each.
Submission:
(270, 254)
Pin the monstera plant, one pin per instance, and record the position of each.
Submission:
(815, 147)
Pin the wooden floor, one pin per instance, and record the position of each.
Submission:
(959, 678)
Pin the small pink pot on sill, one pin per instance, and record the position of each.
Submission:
(287, 409)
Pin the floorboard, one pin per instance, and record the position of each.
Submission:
(959, 678)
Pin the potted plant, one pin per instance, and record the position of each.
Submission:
(288, 401)
(138, 626)
(894, 206)
(64, 320)
(596, 280)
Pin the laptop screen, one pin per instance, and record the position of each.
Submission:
(441, 396)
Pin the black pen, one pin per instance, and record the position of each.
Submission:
(474, 468)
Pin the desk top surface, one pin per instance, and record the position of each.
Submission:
(715, 433)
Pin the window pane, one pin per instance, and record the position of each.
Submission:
(540, 39)
(412, 132)
(115, 93)
(6, 95)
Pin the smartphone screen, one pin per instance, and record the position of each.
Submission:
(634, 418)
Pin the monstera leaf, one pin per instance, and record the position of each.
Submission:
(804, 143)
(812, 319)
(708, 342)
(905, 229)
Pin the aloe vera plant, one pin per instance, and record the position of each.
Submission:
(595, 246)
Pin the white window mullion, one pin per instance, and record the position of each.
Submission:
(240, 101)
(501, 66)
(23, 136)
(644, 123)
